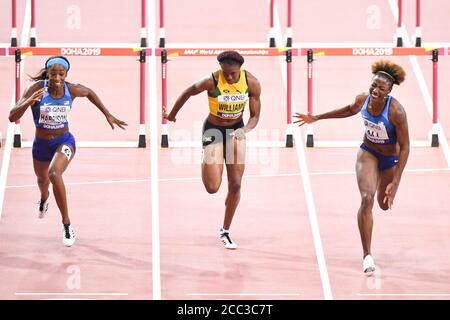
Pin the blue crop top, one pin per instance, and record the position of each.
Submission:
(50, 113)
(378, 129)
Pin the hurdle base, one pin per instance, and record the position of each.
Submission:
(33, 42)
(418, 42)
(13, 42)
(309, 140)
(434, 140)
(142, 142)
(399, 42)
(272, 43)
(162, 42)
(143, 42)
(164, 141)
(289, 141)
(289, 42)
(17, 141)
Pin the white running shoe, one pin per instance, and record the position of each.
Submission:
(43, 206)
(68, 235)
(224, 235)
(368, 265)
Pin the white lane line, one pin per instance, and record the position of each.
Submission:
(422, 84)
(256, 294)
(248, 176)
(154, 147)
(404, 294)
(326, 286)
(70, 294)
(11, 126)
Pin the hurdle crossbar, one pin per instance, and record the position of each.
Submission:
(374, 52)
(208, 52)
(86, 52)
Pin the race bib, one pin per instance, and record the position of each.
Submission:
(54, 117)
(375, 132)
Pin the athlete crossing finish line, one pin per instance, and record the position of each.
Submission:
(50, 99)
(229, 90)
(384, 152)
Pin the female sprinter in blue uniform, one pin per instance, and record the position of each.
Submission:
(50, 99)
(384, 152)
(229, 89)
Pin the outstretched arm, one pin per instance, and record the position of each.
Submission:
(398, 118)
(196, 88)
(78, 90)
(344, 112)
(30, 97)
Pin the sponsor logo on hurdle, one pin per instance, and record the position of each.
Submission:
(81, 51)
(372, 51)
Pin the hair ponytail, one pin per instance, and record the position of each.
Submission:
(41, 75)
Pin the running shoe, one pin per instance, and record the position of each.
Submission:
(43, 206)
(368, 265)
(224, 236)
(68, 235)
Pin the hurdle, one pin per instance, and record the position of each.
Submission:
(272, 42)
(418, 32)
(370, 52)
(33, 38)
(209, 52)
(18, 53)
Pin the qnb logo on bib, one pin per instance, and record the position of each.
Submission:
(54, 117)
(376, 132)
(241, 97)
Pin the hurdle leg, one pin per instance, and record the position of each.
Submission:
(418, 28)
(17, 134)
(162, 32)
(309, 127)
(435, 128)
(289, 25)
(164, 133)
(143, 24)
(33, 25)
(289, 136)
(272, 43)
(13, 23)
(399, 24)
(142, 61)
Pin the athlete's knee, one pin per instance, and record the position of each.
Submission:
(383, 206)
(54, 175)
(43, 180)
(367, 200)
(234, 186)
(211, 187)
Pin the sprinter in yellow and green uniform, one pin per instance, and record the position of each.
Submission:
(230, 89)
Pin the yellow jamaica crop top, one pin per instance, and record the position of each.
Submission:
(229, 100)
